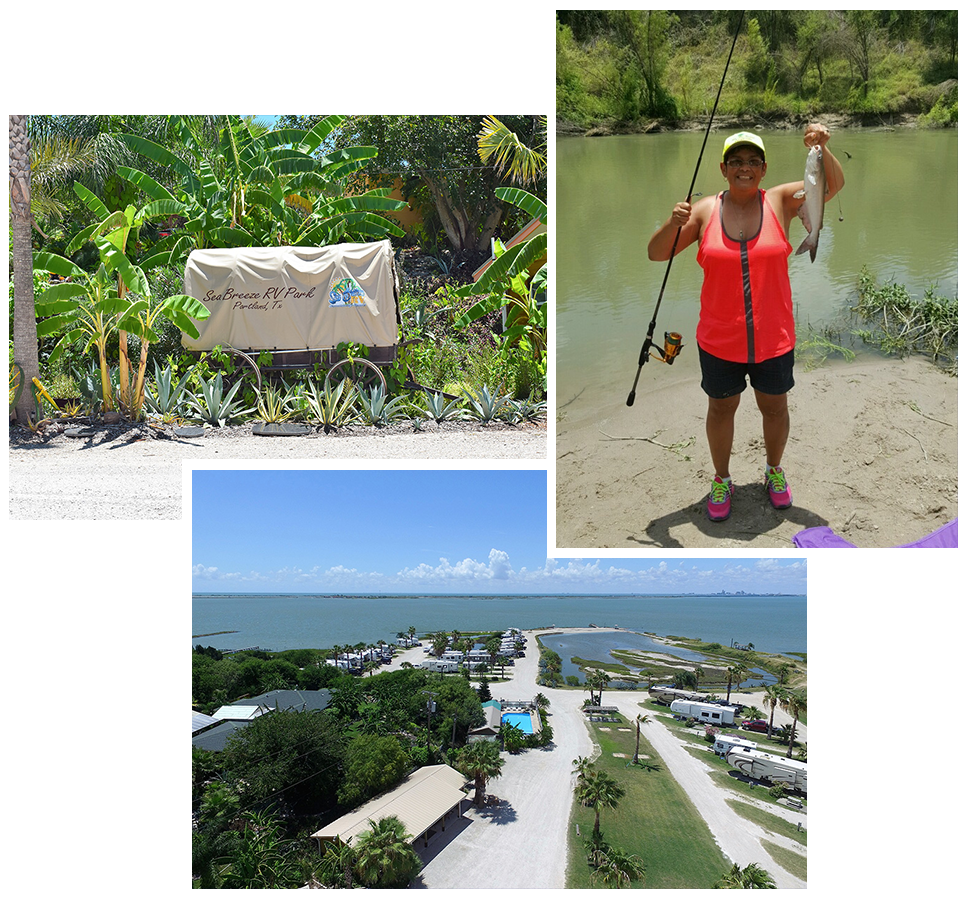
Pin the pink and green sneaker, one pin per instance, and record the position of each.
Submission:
(777, 487)
(718, 502)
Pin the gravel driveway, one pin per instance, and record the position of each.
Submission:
(128, 473)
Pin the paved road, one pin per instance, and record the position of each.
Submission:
(527, 830)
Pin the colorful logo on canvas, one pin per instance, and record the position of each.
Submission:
(347, 293)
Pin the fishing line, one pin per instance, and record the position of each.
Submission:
(672, 345)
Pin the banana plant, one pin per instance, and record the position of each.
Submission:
(111, 235)
(275, 170)
(507, 281)
(86, 307)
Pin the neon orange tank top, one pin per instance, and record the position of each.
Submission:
(745, 302)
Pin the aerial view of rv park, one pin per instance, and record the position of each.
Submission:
(440, 758)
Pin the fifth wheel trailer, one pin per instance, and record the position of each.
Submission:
(769, 767)
(706, 712)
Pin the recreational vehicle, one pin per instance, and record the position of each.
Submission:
(726, 742)
(666, 695)
(705, 712)
(769, 767)
(441, 666)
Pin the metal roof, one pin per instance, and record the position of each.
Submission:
(215, 738)
(426, 795)
(238, 712)
(297, 700)
(201, 721)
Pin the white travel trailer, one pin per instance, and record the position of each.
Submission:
(442, 666)
(705, 712)
(769, 767)
(669, 694)
(727, 742)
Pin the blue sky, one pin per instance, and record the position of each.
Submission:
(422, 531)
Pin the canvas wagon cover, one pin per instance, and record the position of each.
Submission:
(288, 298)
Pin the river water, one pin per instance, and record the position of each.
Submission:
(899, 209)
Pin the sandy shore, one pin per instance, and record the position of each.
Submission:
(872, 454)
(129, 477)
(493, 846)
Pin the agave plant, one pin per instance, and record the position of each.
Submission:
(377, 409)
(216, 406)
(438, 407)
(166, 398)
(333, 407)
(275, 405)
(484, 405)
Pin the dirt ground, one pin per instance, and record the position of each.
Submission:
(872, 454)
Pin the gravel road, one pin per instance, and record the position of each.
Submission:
(131, 473)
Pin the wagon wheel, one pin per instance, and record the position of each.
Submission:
(252, 364)
(361, 373)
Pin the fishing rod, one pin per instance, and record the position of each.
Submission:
(673, 341)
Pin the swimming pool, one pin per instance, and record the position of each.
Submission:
(521, 720)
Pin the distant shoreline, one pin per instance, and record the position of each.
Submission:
(504, 595)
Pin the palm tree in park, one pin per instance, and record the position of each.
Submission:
(752, 877)
(615, 867)
(640, 719)
(596, 679)
(482, 762)
(598, 791)
(772, 698)
(735, 674)
(698, 672)
(794, 702)
(582, 768)
(385, 857)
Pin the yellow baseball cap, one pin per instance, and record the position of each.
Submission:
(743, 137)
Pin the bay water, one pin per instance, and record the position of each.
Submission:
(773, 623)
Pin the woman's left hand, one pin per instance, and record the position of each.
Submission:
(816, 135)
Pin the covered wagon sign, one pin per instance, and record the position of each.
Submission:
(294, 298)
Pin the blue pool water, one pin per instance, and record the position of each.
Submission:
(521, 720)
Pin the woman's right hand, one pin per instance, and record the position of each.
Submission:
(681, 213)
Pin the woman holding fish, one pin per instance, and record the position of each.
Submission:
(746, 327)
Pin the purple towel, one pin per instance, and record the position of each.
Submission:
(823, 537)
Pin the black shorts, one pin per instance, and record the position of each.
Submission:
(722, 379)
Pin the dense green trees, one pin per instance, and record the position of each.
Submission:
(630, 65)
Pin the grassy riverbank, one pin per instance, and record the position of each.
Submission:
(634, 70)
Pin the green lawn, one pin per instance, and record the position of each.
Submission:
(655, 820)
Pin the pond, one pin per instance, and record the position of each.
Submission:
(597, 646)
(899, 210)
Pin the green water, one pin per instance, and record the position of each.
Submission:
(899, 219)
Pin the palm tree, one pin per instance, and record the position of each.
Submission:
(339, 860)
(480, 760)
(521, 162)
(772, 696)
(735, 674)
(596, 680)
(753, 877)
(24, 321)
(385, 857)
(615, 867)
(582, 767)
(794, 702)
(598, 791)
(640, 719)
